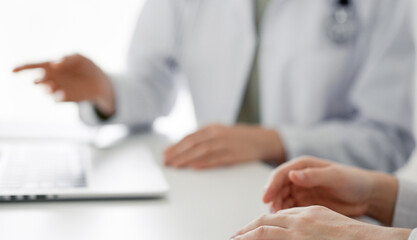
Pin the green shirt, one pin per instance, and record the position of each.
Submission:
(249, 111)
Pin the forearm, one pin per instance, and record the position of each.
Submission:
(383, 198)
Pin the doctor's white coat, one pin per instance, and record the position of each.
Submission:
(349, 103)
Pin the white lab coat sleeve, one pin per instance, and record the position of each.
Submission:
(413, 235)
(378, 135)
(148, 89)
(405, 214)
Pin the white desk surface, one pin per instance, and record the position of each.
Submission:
(204, 205)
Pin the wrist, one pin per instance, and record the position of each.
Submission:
(397, 234)
(383, 198)
(373, 232)
(105, 100)
(273, 149)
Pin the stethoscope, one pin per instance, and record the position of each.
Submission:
(342, 24)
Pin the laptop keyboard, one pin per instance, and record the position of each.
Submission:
(42, 166)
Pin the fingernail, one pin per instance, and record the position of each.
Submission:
(48, 89)
(300, 175)
(59, 96)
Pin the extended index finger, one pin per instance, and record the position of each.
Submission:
(44, 65)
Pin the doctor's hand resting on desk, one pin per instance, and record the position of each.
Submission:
(76, 78)
(341, 190)
(218, 145)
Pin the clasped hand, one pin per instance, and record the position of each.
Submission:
(296, 188)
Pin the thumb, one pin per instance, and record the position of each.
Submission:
(313, 177)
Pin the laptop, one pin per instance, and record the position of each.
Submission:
(59, 170)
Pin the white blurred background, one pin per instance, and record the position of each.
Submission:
(40, 30)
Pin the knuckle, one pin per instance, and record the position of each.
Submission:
(259, 222)
(317, 208)
(303, 221)
(217, 130)
(188, 141)
(308, 172)
(285, 218)
(206, 149)
(260, 232)
(207, 127)
(312, 211)
(262, 219)
(336, 170)
(220, 131)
